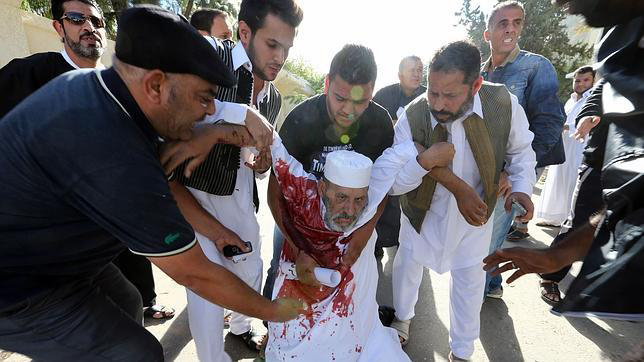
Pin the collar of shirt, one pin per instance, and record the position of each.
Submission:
(116, 88)
(487, 66)
(583, 95)
(240, 58)
(69, 60)
(476, 108)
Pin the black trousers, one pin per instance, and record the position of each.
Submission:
(93, 319)
(138, 270)
(587, 200)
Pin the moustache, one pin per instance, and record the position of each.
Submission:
(344, 215)
(92, 35)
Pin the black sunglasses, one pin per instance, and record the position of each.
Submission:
(80, 19)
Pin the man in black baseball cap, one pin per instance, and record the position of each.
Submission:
(82, 182)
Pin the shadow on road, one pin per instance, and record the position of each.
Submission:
(428, 334)
(614, 340)
(498, 337)
(176, 336)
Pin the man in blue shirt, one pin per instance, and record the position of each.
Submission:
(82, 182)
(533, 80)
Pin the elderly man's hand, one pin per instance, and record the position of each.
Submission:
(524, 260)
(304, 267)
(505, 186)
(440, 154)
(469, 203)
(262, 161)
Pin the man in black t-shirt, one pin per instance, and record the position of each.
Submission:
(82, 182)
(81, 28)
(343, 119)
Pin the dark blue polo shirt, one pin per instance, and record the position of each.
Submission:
(80, 180)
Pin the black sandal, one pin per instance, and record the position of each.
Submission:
(550, 292)
(253, 340)
(386, 315)
(158, 311)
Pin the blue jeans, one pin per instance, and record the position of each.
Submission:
(92, 319)
(501, 225)
(278, 242)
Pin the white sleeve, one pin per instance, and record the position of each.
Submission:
(281, 156)
(228, 112)
(520, 159)
(411, 174)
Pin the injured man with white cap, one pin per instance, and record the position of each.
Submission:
(319, 216)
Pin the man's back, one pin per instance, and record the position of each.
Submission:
(23, 76)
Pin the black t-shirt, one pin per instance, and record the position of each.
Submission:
(23, 76)
(392, 97)
(80, 182)
(309, 135)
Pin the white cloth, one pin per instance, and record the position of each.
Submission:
(446, 241)
(237, 213)
(465, 298)
(327, 334)
(555, 202)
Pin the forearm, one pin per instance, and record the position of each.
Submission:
(576, 245)
(214, 283)
(200, 219)
(448, 179)
(228, 134)
(273, 200)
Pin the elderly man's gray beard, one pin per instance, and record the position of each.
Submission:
(93, 52)
(451, 117)
(328, 218)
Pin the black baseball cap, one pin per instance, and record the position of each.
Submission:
(150, 37)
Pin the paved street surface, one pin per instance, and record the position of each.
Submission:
(517, 328)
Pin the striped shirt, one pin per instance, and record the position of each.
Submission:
(218, 173)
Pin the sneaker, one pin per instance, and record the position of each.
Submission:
(496, 293)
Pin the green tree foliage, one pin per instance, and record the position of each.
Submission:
(302, 69)
(544, 33)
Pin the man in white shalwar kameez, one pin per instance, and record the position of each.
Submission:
(556, 197)
(342, 323)
(453, 234)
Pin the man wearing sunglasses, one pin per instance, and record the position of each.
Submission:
(81, 28)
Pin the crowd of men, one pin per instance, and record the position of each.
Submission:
(155, 160)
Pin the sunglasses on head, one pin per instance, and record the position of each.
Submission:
(80, 19)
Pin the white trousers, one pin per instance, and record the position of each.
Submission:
(205, 318)
(465, 299)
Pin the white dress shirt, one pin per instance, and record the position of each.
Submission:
(446, 240)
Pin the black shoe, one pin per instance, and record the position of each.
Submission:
(379, 252)
(386, 315)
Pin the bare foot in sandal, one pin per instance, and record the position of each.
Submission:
(550, 292)
(158, 311)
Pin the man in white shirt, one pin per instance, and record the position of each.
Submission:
(555, 202)
(445, 224)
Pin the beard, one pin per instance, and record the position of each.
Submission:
(252, 55)
(90, 52)
(329, 218)
(451, 117)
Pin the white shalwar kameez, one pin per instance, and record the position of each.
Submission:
(345, 325)
(555, 202)
(447, 242)
(237, 213)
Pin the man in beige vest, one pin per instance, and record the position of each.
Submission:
(445, 216)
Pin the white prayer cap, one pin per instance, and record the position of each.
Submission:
(348, 169)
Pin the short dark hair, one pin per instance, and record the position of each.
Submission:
(458, 56)
(415, 58)
(253, 12)
(502, 5)
(57, 11)
(355, 64)
(202, 19)
(584, 69)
